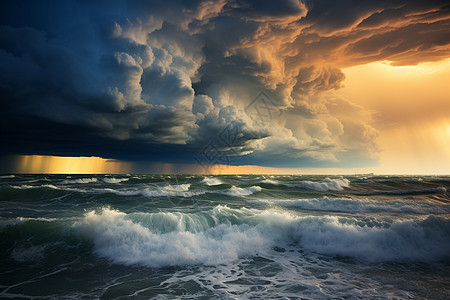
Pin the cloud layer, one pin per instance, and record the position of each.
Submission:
(150, 80)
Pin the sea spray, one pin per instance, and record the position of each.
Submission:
(237, 191)
(211, 181)
(223, 235)
(123, 241)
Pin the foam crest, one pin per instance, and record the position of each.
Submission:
(114, 180)
(366, 239)
(238, 192)
(426, 240)
(351, 205)
(223, 235)
(50, 186)
(211, 181)
(23, 187)
(181, 190)
(271, 181)
(7, 176)
(324, 185)
(80, 180)
(26, 187)
(117, 237)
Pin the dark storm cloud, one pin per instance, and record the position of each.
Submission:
(157, 80)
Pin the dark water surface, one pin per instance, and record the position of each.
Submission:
(224, 237)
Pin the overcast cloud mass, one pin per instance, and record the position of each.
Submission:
(159, 80)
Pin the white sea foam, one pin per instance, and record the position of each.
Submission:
(223, 235)
(26, 187)
(352, 205)
(238, 192)
(80, 180)
(271, 181)
(401, 240)
(114, 180)
(324, 185)
(118, 238)
(23, 186)
(180, 190)
(50, 186)
(211, 181)
(7, 176)
(40, 219)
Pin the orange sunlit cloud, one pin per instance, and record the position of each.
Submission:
(411, 109)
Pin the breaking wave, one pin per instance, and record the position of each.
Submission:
(26, 186)
(223, 235)
(114, 180)
(180, 190)
(324, 185)
(80, 180)
(211, 181)
(238, 191)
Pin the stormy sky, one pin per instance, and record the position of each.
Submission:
(228, 81)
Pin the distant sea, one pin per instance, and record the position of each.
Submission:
(224, 237)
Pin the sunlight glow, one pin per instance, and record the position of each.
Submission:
(415, 70)
(411, 109)
(36, 164)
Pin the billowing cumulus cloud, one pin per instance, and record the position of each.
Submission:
(155, 80)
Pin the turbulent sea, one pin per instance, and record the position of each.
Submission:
(224, 237)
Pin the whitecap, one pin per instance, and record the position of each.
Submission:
(7, 176)
(25, 186)
(211, 181)
(238, 191)
(80, 180)
(224, 235)
(271, 181)
(118, 238)
(114, 180)
(324, 185)
(181, 190)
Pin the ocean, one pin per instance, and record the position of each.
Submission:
(224, 237)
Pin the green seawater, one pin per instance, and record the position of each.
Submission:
(224, 237)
